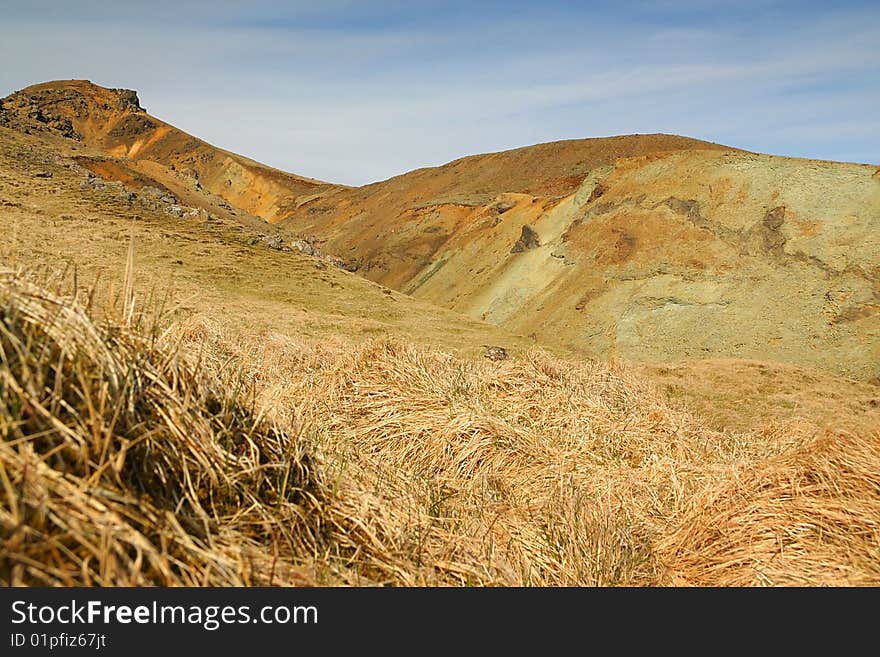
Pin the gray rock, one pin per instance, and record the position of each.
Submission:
(274, 242)
(305, 248)
(503, 206)
(92, 183)
(527, 240)
(496, 353)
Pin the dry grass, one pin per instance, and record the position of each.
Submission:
(122, 464)
(810, 516)
(539, 472)
(132, 455)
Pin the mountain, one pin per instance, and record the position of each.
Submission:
(645, 247)
(243, 409)
(695, 252)
(210, 261)
(113, 121)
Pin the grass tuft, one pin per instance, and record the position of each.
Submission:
(136, 453)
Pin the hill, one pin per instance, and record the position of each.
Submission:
(113, 122)
(659, 248)
(390, 464)
(645, 247)
(331, 430)
(242, 409)
(209, 259)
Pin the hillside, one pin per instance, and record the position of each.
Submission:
(113, 122)
(666, 250)
(644, 247)
(397, 227)
(208, 259)
(225, 461)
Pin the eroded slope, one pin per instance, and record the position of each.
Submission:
(694, 253)
(112, 121)
(646, 247)
(208, 260)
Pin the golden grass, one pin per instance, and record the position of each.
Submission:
(539, 472)
(122, 464)
(134, 455)
(810, 516)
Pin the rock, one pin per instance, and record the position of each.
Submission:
(503, 206)
(149, 190)
(273, 242)
(527, 240)
(155, 198)
(132, 125)
(127, 99)
(496, 353)
(305, 248)
(92, 183)
(598, 190)
(347, 265)
(42, 174)
(182, 211)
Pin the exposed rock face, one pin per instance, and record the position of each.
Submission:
(128, 100)
(29, 116)
(772, 237)
(689, 253)
(131, 125)
(527, 240)
(55, 109)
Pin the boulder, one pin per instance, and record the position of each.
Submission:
(527, 240)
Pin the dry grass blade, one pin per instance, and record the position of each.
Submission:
(533, 471)
(122, 464)
(125, 461)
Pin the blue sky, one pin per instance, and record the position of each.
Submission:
(355, 92)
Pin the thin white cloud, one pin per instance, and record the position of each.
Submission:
(361, 105)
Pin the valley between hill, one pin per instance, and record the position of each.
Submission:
(642, 247)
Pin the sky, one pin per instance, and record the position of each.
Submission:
(355, 92)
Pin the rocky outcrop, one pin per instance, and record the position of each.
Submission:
(56, 108)
(132, 125)
(527, 240)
